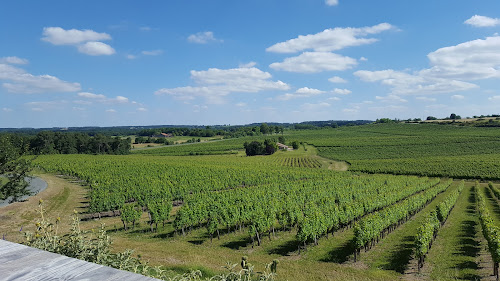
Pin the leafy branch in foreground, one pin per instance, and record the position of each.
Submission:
(94, 246)
(14, 169)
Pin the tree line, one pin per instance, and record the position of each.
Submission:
(47, 142)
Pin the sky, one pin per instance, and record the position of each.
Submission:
(215, 62)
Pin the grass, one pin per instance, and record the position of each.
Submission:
(194, 251)
(454, 253)
(394, 252)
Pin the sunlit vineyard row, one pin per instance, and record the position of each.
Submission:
(114, 180)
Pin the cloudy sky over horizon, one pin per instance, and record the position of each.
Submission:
(110, 63)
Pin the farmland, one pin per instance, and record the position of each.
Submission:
(400, 210)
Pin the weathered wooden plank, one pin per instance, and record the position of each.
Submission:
(19, 262)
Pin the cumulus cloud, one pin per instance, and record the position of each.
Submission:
(87, 41)
(91, 97)
(331, 2)
(472, 60)
(336, 79)
(59, 36)
(214, 84)
(111, 110)
(13, 60)
(304, 92)
(96, 49)
(203, 38)
(313, 62)
(331, 39)
(482, 21)
(19, 81)
(403, 83)
(341, 91)
(452, 69)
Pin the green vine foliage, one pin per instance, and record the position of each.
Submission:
(490, 230)
(94, 246)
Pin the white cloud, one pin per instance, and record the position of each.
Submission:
(152, 53)
(457, 97)
(472, 60)
(86, 41)
(494, 98)
(312, 62)
(6, 109)
(408, 84)
(427, 99)
(215, 84)
(19, 81)
(241, 104)
(363, 59)
(482, 21)
(142, 109)
(336, 79)
(330, 39)
(111, 110)
(91, 95)
(101, 98)
(13, 60)
(451, 68)
(203, 38)
(96, 49)
(334, 99)
(131, 57)
(248, 65)
(331, 2)
(119, 99)
(341, 91)
(391, 99)
(59, 36)
(304, 92)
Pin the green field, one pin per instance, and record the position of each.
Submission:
(320, 222)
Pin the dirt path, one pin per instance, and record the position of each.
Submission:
(61, 197)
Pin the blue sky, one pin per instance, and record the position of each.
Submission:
(111, 63)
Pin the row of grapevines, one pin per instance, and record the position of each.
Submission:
(490, 230)
(373, 226)
(332, 202)
(294, 161)
(494, 190)
(115, 180)
(427, 232)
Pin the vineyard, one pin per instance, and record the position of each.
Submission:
(397, 211)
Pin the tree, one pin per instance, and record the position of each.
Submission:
(254, 148)
(15, 169)
(431, 118)
(264, 129)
